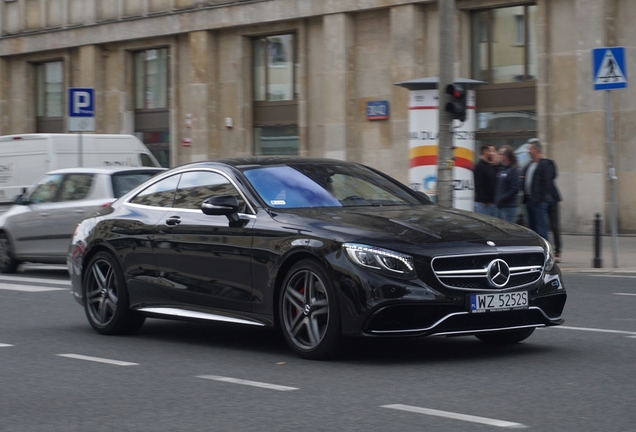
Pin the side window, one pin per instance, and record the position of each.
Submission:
(46, 189)
(75, 187)
(160, 194)
(196, 186)
(145, 160)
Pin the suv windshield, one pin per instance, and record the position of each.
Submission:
(125, 182)
(329, 185)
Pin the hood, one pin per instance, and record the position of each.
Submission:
(410, 224)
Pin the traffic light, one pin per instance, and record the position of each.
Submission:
(457, 106)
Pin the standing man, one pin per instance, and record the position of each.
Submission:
(537, 178)
(485, 180)
(553, 212)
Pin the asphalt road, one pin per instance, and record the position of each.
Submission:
(57, 374)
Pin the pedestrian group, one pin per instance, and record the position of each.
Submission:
(498, 183)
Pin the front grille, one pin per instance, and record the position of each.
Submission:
(471, 271)
(491, 320)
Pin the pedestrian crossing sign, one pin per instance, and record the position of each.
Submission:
(608, 67)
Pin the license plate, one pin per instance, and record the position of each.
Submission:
(498, 302)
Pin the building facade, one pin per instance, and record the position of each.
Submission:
(204, 79)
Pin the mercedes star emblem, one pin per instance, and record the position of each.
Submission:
(498, 273)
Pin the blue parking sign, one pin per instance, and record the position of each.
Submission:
(608, 68)
(81, 109)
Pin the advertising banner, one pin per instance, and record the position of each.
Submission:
(423, 148)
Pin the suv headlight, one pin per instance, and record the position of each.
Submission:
(549, 255)
(382, 260)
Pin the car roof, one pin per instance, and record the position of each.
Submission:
(109, 170)
(256, 161)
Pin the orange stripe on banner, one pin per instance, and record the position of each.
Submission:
(429, 150)
(423, 161)
(464, 153)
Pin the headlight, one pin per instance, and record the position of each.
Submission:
(382, 260)
(549, 255)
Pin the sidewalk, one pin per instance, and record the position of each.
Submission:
(577, 254)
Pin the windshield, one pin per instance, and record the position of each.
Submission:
(328, 185)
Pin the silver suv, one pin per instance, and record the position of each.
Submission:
(38, 228)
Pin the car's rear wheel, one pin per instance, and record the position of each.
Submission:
(8, 263)
(309, 312)
(106, 298)
(505, 337)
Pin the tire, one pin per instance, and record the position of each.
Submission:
(106, 298)
(505, 337)
(8, 264)
(309, 312)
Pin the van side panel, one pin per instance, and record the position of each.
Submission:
(22, 162)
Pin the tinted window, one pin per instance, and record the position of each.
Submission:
(196, 186)
(125, 182)
(145, 160)
(160, 194)
(334, 185)
(75, 187)
(46, 189)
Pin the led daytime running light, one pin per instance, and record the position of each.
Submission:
(379, 256)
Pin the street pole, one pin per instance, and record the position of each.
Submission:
(446, 77)
(612, 177)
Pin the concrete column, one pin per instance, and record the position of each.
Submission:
(5, 106)
(407, 55)
(200, 102)
(338, 76)
(90, 73)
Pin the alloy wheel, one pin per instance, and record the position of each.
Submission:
(305, 309)
(102, 293)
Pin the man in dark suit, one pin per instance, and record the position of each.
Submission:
(537, 180)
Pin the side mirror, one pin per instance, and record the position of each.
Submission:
(221, 205)
(21, 200)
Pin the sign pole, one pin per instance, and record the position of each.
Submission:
(79, 150)
(612, 177)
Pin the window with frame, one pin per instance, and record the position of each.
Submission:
(46, 190)
(159, 194)
(76, 187)
(151, 79)
(49, 97)
(197, 186)
(276, 93)
(504, 44)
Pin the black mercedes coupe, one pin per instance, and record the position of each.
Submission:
(321, 249)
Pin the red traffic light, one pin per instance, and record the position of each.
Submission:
(457, 106)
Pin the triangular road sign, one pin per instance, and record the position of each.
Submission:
(609, 72)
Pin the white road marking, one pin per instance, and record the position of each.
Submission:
(597, 330)
(613, 276)
(97, 359)
(247, 383)
(456, 416)
(38, 280)
(5, 345)
(625, 294)
(28, 288)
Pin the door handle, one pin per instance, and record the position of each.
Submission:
(44, 214)
(173, 220)
(79, 211)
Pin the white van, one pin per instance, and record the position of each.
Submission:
(24, 158)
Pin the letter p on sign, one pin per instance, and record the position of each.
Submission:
(81, 102)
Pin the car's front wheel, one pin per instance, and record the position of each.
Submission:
(505, 337)
(309, 311)
(106, 298)
(8, 263)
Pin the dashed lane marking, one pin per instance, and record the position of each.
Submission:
(248, 383)
(98, 359)
(29, 288)
(625, 294)
(5, 345)
(597, 330)
(456, 416)
(42, 281)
